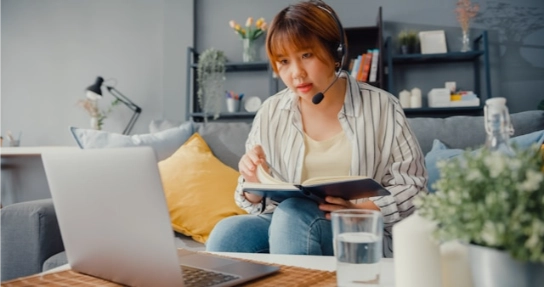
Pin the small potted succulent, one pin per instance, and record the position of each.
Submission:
(408, 41)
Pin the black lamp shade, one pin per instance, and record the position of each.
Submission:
(94, 91)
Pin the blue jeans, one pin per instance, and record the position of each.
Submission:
(297, 226)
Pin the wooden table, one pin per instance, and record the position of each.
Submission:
(325, 263)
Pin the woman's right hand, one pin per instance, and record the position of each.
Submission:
(250, 161)
(248, 168)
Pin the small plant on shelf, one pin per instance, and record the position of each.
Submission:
(408, 41)
(210, 78)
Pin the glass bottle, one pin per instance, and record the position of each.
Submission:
(498, 126)
(466, 42)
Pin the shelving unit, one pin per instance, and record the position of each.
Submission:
(478, 55)
(193, 110)
(361, 39)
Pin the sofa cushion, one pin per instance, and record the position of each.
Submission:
(164, 143)
(227, 140)
(29, 235)
(468, 131)
(441, 152)
(199, 189)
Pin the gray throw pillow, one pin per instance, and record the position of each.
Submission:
(227, 140)
(164, 143)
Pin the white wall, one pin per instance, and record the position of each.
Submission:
(53, 49)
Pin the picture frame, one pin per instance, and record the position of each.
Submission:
(433, 42)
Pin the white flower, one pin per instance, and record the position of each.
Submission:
(532, 181)
(514, 164)
(489, 234)
(496, 164)
(536, 234)
(474, 175)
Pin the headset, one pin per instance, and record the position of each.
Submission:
(341, 54)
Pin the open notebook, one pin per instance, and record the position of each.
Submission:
(346, 187)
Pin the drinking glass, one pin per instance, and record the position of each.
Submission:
(357, 241)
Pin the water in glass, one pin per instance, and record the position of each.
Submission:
(358, 259)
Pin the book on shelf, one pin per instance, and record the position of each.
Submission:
(346, 187)
(374, 66)
(355, 67)
(361, 67)
(367, 59)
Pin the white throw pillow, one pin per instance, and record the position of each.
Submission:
(164, 143)
(156, 126)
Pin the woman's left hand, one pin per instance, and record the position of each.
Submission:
(337, 203)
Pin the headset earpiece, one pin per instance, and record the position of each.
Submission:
(341, 50)
(341, 53)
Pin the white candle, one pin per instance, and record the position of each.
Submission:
(455, 265)
(415, 99)
(417, 255)
(404, 97)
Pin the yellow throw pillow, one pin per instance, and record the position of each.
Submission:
(199, 189)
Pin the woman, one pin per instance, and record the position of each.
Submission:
(355, 129)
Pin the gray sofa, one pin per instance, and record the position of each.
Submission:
(30, 236)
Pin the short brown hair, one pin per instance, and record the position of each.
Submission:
(303, 25)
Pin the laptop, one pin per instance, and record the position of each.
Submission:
(115, 224)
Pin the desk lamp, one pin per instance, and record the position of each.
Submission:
(94, 92)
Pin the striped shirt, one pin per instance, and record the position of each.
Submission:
(383, 146)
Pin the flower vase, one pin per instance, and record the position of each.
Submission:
(493, 267)
(250, 50)
(94, 123)
(465, 41)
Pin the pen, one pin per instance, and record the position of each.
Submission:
(275, 171)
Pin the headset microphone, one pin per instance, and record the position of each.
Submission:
(341, 54)
(321, 95)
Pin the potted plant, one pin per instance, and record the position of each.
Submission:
(210, 79)
(97, 116)
(465, 12)
(495, 203)
(408, 41)
(249, 34)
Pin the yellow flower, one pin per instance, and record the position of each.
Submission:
(249, 32)
(259, 22)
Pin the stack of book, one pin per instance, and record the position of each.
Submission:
(365, 67)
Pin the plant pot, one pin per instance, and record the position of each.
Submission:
(408, 49)
(492, 267)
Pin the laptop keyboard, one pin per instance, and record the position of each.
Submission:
(194, 277)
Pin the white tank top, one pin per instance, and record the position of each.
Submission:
(330, 157)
